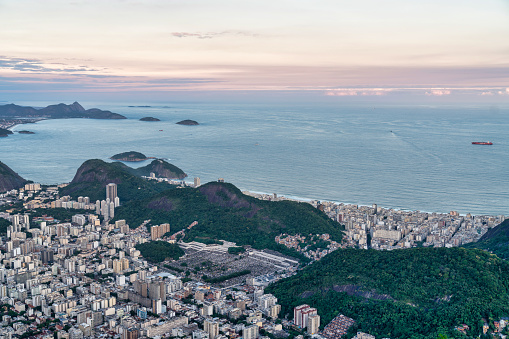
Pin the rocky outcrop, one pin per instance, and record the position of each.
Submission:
(188, 122)
(9, 179)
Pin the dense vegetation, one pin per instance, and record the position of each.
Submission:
(161, 168)
(411, 293)
(224, 213)
(4, 225)
(157, 251)
(129, 155)
(9, 179)
(93, 176)
(236, 250)
(496, 240)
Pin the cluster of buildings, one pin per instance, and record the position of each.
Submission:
(49, 199)
(307, 317)
(181, 183)
(86, 279)
(386, 229)
(313, 246)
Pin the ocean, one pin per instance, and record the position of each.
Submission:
(403, 157)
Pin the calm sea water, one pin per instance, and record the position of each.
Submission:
(406, 157)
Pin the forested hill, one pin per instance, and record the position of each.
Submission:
(161, 169)
(9, 179)
(93, 175)
(410, 293)
(224, 212)
(496, 240)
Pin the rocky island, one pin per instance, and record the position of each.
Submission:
(26, 132)
(130, 156)
(188, 122)
(149, 119)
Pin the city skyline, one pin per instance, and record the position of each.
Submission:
(328, 49)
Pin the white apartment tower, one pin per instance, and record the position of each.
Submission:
(111, 191)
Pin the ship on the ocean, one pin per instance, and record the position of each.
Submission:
(482, 143)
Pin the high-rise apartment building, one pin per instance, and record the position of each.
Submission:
(47, 256)
(157, 232)
(250, 332)
(301, 315)
(211, 327)
(313, 324)
(111, 191)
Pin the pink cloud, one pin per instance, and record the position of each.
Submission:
(361, 91)
(341, 93)
(438, 92)
(211, 35)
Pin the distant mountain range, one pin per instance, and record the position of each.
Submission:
(9, 179)
(59, 111)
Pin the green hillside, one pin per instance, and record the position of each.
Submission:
(161, 169)
(496, 240)
(93, 176)
(410, 293)
(135, 156)
(223, 212)
(9, 179)
(157, 251)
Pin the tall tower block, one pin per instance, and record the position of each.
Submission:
(111, 191)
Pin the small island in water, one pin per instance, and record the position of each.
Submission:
(149, 119)
(188, 122)
(130, 156)
(26, 132)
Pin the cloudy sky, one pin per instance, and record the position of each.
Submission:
(330, 48)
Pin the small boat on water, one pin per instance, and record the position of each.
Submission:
(482, 143)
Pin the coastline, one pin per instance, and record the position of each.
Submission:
(11, 123)
(311, 200)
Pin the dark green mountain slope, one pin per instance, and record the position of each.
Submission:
(496, 240)
(93, 176)
(129, 156)
(223, 212)
(9, 179)
(161, 168)
(410, 293)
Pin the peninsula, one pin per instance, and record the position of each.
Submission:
(59, 111)
(4, 132)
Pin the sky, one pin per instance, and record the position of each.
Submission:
(328, 49)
